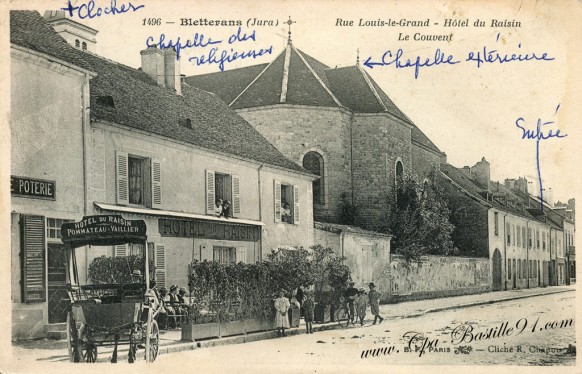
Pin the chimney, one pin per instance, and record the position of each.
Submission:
(152, 63)
(549, 196)
(172, 71)
(481, 171)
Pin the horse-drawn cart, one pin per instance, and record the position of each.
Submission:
(109, 314)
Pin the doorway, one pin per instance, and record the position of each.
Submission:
(58, 298)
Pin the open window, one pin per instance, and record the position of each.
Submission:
(223, 194)
(286, 203)
(139, 180)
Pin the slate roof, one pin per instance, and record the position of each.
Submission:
(470, 184)
(310, 82)
(140, 103)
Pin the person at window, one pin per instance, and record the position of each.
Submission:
(225, 209)
(281, 319)
(286, 214)
(350, 294)
(218, 207)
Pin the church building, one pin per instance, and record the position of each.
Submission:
(335, 122)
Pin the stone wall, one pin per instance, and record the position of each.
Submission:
(438, 276)
(379, 142)
(296, 130)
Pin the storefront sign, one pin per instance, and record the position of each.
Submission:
(36, 188)
(196, 228)
(103, 229)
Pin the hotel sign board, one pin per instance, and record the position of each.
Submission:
(31, 187)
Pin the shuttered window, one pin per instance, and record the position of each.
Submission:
(160, 265)
(33, 258)
(210, 193)
(120, 250)
(138, 180)
(156, 177)
(286, 203)
(241, 255)
(277, 194)
(235, 196)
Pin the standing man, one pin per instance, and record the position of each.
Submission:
(374, 298)
(350, 294)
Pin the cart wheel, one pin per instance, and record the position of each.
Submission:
(72, 338)
(154, 341)
(89, 353)
(342, 316)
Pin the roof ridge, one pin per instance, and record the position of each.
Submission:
(371, 86)
(256, 78)
(285, 83)
(317, 77)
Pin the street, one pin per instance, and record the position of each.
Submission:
(500, 334)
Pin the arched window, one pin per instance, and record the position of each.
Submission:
(77, 43)
(399, 169)
(313, 162)
(84, 46)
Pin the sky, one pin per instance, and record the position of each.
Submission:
(469, 112)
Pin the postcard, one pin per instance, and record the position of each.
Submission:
(291, 186)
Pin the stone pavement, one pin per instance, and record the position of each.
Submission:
(56, 350)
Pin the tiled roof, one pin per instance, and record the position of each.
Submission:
(140, 103)
(350, 87)
(227, 84)
(28, 29)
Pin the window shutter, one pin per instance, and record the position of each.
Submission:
(121, 168)
(160, 265)
(277, 194)
(235, 195)
(210, 193)
(33, 258)
(241, 254)
(156, 177)
(120, 250)
(296, 205)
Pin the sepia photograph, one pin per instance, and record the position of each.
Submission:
(291, 186)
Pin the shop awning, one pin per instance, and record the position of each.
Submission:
(169, 213)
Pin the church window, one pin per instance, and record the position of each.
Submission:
(84, 46)
(313, 161)
(77, 43)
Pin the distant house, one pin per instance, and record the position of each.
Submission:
(92, 136)
(499, 222)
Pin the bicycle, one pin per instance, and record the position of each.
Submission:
(342, 315)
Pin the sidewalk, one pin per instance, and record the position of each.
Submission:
(56, 350)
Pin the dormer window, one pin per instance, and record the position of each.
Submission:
(106, 101)
(186, 122)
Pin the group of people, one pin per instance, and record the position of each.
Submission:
(357, 300)
(358, 303)
(173, 308)
(222, 208)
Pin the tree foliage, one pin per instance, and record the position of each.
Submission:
(104, 270)
(420, 220)
(239, 291)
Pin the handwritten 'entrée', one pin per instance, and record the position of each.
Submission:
(88, 10)
(538, 135)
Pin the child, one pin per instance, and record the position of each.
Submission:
(308, 309)
(361, 305)
(374, 297)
